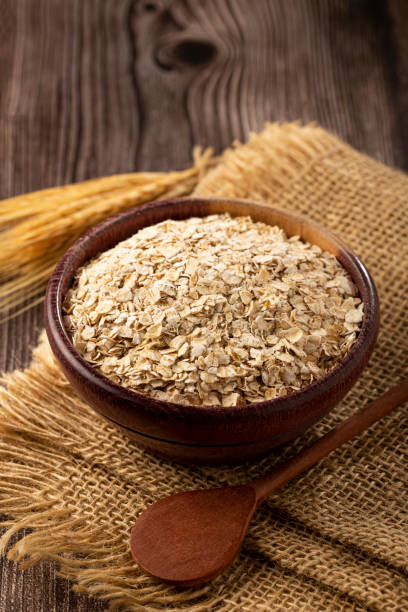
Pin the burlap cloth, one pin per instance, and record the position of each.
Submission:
(336, 538)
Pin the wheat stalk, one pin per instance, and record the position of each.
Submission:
(39, 227)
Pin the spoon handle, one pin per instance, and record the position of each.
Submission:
(364, 418)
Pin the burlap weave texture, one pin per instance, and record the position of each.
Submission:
(336, 538)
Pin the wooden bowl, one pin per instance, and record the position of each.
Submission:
(207, 434)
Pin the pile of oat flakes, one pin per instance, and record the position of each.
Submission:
(214, 310)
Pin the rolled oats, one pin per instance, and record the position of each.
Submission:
(213, 310)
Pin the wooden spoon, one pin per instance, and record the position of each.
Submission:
(190, 538)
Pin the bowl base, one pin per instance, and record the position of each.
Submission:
(208, 455)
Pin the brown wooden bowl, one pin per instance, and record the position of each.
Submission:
(207, 434)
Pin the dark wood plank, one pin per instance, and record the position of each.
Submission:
(40, 589)
(93, 88)
(333, 62)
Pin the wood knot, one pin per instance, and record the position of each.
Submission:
(194, 52)
(150, 7)
(187, 50)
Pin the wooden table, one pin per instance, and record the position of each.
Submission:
(106, 86)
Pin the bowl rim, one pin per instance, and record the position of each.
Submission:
(60, 340)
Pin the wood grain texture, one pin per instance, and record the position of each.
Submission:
(98, 87)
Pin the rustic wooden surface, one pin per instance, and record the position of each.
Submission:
(99, 87)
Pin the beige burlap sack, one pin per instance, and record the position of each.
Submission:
(336, 538)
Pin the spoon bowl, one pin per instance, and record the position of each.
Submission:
(217, 521)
